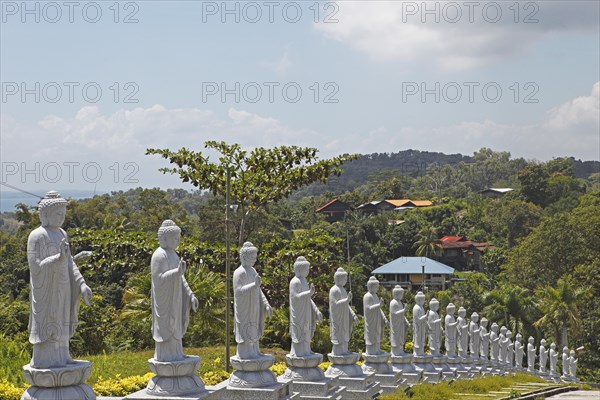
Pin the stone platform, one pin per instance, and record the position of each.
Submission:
(252, 380)
(63, 383)
(174, 380)
(358, 384)
(308, 381)
(410, 375)
(425, 365)
(389, 380)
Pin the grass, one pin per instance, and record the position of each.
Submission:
(116, 365)
(469, 389)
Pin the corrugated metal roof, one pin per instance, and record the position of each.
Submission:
(413, 265)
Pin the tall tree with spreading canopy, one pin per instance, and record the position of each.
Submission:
(258, 177)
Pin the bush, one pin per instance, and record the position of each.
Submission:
(10, 392)
(121, 386)
(278, 368)
(215, 377)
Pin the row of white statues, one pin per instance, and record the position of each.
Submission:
(57, 285)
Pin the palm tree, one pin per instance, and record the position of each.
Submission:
(559, 306)
(512, 306)
(428, 243)
(208, 287)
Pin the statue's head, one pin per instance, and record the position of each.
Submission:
(301, 267)
(340, 277)
(372, 285)
(530, 340)
(462, 312)
(450, 308)
(434, 304)
(53, 210)
(572, 353)
(509, 334)
(565, 350)
(543, 342)
(398, 292)
(168, 235)
(420, 298)
(518, 337)
(248, 254)
(503, 330)
(474, 317)
(494, 327)
(553, 345)
(484, 322)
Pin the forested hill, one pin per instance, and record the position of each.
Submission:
(410, 162)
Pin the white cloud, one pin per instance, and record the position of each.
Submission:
(570, 129)
(282, 64)
(394, 30)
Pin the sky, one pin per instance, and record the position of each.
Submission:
(88, 86)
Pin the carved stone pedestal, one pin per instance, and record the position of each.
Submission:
(252, 380)
(358, 384)
(389, 380)
(463, 369)
(173, 380)
(424, 363)
(441, 364)
(308, 381)
(65, 383)
(553, 377)
(410, 375)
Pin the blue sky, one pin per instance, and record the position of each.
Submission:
(374, 62)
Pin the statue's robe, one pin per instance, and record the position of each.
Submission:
(553, 360)
(518, 354)
(171, 303)
(474, 338)
(374, 318)
(451, 335)
(484, 342)
(543, 358)
(573, 367)
(494, 345)
(435, 332)
(463, 338)
(55, 291)
(398, 325)
(502, 343)
(340, 315)
(249, 306)
(509, 353)
(530, 356)
(565, 364)
(419, 330)
(303, 312)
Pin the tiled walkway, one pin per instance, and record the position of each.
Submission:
(577, 395)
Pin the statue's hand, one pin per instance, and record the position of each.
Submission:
(64, 249)
(319, 316)
(182, 266)
(269, 311)
(257, 281)
(312, 289)
(349, 297)
(195, 303)
(355, 319)
(386, 322)
(86, 292)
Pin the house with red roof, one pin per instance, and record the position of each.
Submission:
(463, 254)
(334, 211)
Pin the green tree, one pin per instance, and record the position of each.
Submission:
(559, 306)
(428, 244)
(258, 177)
(512, 306)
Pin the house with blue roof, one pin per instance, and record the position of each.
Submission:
(414, 273)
